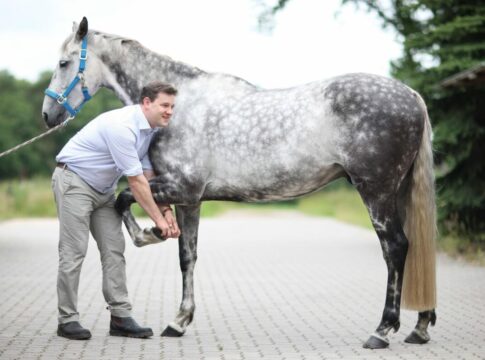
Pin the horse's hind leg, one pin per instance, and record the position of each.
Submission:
(188, 220)
(382, 208)
(420, 333)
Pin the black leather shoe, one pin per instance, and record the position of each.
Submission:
(127, 326)
(73, 330)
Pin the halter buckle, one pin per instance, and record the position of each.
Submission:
(61, 99)
(83, 54)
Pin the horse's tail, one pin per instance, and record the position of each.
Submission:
(419, 282)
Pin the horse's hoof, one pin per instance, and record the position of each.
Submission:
(157, 233)
(416, 338)
(152, 236)
(376, 342)
(173, 330)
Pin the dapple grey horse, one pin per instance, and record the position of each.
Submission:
(231, 140)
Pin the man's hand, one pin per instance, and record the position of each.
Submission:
(141, 191)
(165, 228)
(170, 219)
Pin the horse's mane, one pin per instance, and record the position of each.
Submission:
(119, 45)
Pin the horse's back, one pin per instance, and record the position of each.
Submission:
(256, 143)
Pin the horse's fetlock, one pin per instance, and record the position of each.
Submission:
(433, 318)
(139, 241)
(390, 321)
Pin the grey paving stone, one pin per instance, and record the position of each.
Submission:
(261, 293)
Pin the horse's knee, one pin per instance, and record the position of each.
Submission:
(123, 201)
(187, 261)
(390, 319)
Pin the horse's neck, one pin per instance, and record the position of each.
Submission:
(135, 66)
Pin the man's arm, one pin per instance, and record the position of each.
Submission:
(141, 191)
(121, 144)
(165, 209)
(150, 174)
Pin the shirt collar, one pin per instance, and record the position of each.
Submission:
(142, 121)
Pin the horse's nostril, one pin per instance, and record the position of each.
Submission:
(45, 116)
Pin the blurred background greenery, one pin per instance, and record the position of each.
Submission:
(33, 198)
(440, 40)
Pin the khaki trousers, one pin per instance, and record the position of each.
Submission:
(82, 209)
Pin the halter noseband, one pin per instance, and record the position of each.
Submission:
(62, 98)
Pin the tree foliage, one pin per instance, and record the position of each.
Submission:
(440, 39)
(20, 120)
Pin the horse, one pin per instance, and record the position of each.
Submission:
(231, 140)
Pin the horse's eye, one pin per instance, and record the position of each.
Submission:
(63, 63)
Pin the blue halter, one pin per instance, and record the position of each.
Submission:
(62, 98)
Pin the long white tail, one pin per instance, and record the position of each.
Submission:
(419, 282)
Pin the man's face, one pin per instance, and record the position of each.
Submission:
(159, 111)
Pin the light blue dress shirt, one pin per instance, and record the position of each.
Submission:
(112, 145)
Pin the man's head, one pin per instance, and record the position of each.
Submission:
(157, 101)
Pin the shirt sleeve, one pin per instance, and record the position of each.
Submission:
(121, 144)
(146, 164)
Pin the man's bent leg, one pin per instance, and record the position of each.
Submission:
(73, 210)
(106, 230)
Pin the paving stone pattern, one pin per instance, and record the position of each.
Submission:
(278, 286)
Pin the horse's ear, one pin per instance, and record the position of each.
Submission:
(82, 29)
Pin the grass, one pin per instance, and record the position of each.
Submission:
(461, 248)
(337, 201)
(33, 198)
(27, 198)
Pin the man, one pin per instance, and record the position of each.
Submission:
(88, 169)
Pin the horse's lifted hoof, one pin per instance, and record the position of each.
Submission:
(376, 342)
(157, 233)
(172, 330)
(148, 236)
(416, 338)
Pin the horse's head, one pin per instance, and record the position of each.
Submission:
(76, 77)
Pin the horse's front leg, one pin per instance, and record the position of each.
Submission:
(163, 192)
(138, 236)
(188, 220)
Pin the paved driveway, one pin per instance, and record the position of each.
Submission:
(282, 286)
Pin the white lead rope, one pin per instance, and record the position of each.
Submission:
(36, 138)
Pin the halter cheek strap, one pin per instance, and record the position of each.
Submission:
(62, 98)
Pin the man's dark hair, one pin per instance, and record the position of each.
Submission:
(152, 89)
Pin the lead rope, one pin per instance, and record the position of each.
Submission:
(15, 148)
